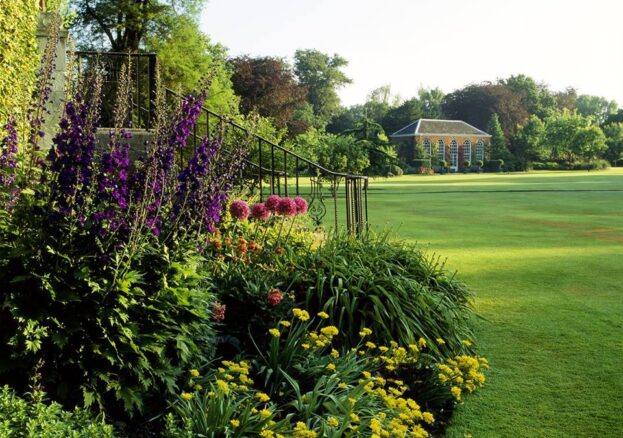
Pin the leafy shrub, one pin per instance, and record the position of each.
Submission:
(392, 288)
(618, 163)
(21, 418)
(494, 165)
(479, 163)
(443, 164)
(395, 171)
(592, 165)
(467, 164)
(422, 163)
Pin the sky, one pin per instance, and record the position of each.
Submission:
(409, 44)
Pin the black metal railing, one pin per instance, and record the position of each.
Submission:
(270, 167)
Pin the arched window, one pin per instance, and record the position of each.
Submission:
(480, 150)
(467, 150)
(454, 154)
(427, 148)
(441, 150)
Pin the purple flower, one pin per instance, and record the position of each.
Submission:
(239, 209)
(301, 205)
(259, 211)
(272, 202)
(8, 152)
(286, 207)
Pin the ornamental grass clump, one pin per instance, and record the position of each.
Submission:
(100, 273)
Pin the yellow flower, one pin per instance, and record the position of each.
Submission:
(365, 332)
(300, 430)
(187, 395)
(371, 345)
(262, 396)
(285, 323)
(234, 423)
(467, 343)
(274, 332)
(376, 426)
(266, 433)
(335, 353)
(366, 374)
(323, 315)
(428, 417)
(305, 346)
(456, 392)
(198, 387)
(265, 413)
(421, 342)
(301, 314)
(342, 385)
(329, 330)
(333, 422)
(194, 373)
(440, 341)
(223, 386)
(354, 418)
(331, 367)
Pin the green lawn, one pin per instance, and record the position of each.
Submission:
(544, 254)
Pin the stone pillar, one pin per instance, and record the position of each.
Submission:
(57, 95)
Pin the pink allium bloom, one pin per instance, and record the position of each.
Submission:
(286, 207)
(239, 209)
(272, 201)
(301, 205)
(274, 297)
(218, 311)
(260, 211)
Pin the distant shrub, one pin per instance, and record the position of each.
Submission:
(395, 170)
(591, 165)
(618, 163)
(479, 163)
(443, 164)
(494, 165)
(422, 163)
(467, 164)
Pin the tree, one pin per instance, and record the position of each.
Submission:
(536, 97)
(614, 141)
(561, 129)
(598, 107)
(566, 99)
(186, 55)
(321, 74)
(401, 115)
(498, 149)
(431, 101)
(340, 153)
(528, 141)
(589, 142)
(268, 85)
(123, 25)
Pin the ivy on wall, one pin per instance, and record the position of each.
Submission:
(18, 55)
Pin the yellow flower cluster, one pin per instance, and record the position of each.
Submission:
(403, 416)
(393, 356)
(463, 373)
(322, 339)
(301, 314)
(301, 430)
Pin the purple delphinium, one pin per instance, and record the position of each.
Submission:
(239, 209)
(259, 211)
(70, 160)
(301, 205)
(286, 207)
(112, 185)
(8, 152)
(272, 201)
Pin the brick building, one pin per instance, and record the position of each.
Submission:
(452, 140)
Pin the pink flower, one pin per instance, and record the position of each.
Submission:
(274, 297)
(301, 205)
(239, 209)
(272, 201)
(260, 211)
(218, 311)
(286, 207)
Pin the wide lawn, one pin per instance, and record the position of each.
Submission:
(543, 253)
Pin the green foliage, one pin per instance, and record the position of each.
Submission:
(186, 56)
(528, 144)
(20, 418)
(340, 153)
(597, 107)
(498, 148)
(395, 170)
(422, 163)
(494, 165)
(395, 289)
(322, 75)
(589, 143)
(614, 141)
(18, 56)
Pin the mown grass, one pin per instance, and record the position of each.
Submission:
(545, 258)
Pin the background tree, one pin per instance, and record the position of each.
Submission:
(498, 149)
(268, 85)
(566, 99)
(321, 74)
(596, 106)
(528, 141)
(561, 129)
(431, 102)
(123, 25)
(588, 142)
(186, 55)
(614, 141)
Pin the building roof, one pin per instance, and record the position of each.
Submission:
(433, 127)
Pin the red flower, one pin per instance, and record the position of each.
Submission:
(274, 297)
(218, 311)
